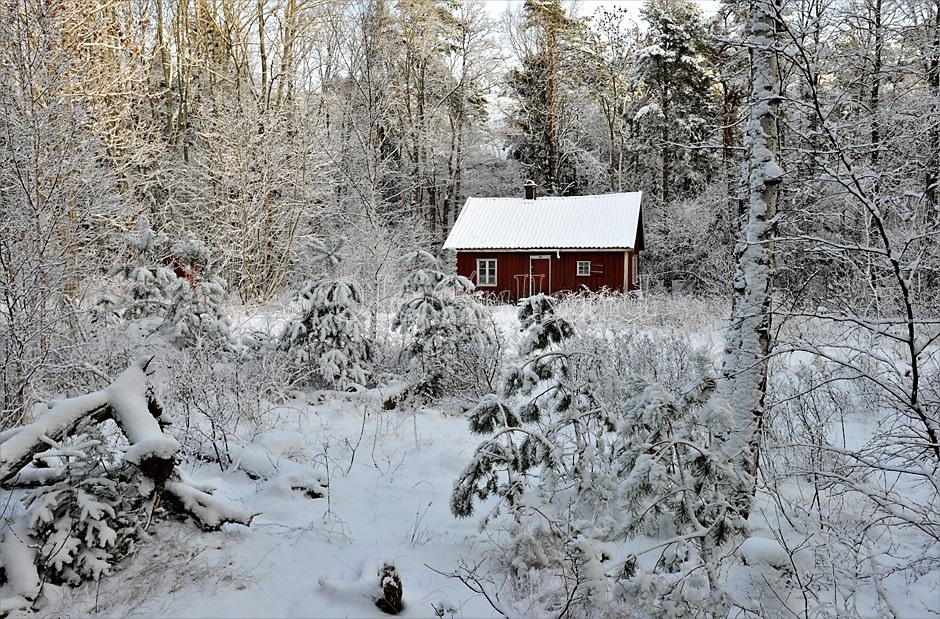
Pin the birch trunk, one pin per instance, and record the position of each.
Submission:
(749, 340)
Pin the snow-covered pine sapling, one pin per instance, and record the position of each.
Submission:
(172, 281)
(444, 328)
(189, 255)
(516, 423)
(151, 286)
(678, 491)
(90, 519)
(198, 317)
(331, 333)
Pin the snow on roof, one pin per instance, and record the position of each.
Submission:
(608, 221)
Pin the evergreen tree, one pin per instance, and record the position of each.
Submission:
(173, 281)
(198, 317)
(447, 344)
(678, 489)
(331, 334)
(521, 422)
(678, 108)
(150, 285)
(90, 519)
(565, 448)
(544, 44)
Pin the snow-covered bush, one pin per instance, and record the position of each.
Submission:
(151, 287)
(553, 569)
(218, 406)
(330, 338)
(190, 253)
(848, 513)
(683, 247)
(450, 344)
(607, 310)
(173, 281)
(90, 519)
(581, 458)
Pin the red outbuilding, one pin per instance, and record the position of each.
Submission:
(517, 247)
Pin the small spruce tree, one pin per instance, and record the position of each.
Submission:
(150, 285)
(444, 328)
(191, 302)
(198, 317)
(581, 457)
(519, 421)
(678, 484)
(331, 333)
(90, 519)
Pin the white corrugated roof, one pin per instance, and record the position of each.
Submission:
(608, 221)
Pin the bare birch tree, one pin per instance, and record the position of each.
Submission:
(749, 335)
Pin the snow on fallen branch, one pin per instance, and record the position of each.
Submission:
(130, 401)
(58, 422)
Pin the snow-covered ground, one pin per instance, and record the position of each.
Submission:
(341, 485)
(389, 476)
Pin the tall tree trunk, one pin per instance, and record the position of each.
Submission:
(932, 176)
(749, 341)
(552, 112)
(263, 57)
(289, 33)
(665, 150)
(167, 70)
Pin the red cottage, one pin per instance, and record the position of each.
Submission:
(516, 247)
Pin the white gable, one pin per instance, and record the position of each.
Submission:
(608, 221)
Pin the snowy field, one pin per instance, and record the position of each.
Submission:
(387, 476)
(342, 484)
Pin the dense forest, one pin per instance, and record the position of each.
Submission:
(169, 165)
(255, 125)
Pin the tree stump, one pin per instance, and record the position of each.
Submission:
(390, 602)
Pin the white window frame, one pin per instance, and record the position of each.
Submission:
(485, 278)
(583, 268)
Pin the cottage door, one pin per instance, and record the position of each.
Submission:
(540, 274)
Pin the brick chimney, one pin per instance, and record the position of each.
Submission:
(529, 187)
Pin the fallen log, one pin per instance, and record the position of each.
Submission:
(130, 401)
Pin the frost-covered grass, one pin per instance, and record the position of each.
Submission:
(343, 485)
(696, 316)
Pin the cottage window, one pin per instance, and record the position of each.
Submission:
(486, 272)
(584, 267)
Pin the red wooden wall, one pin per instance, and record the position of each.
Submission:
(513, 275)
